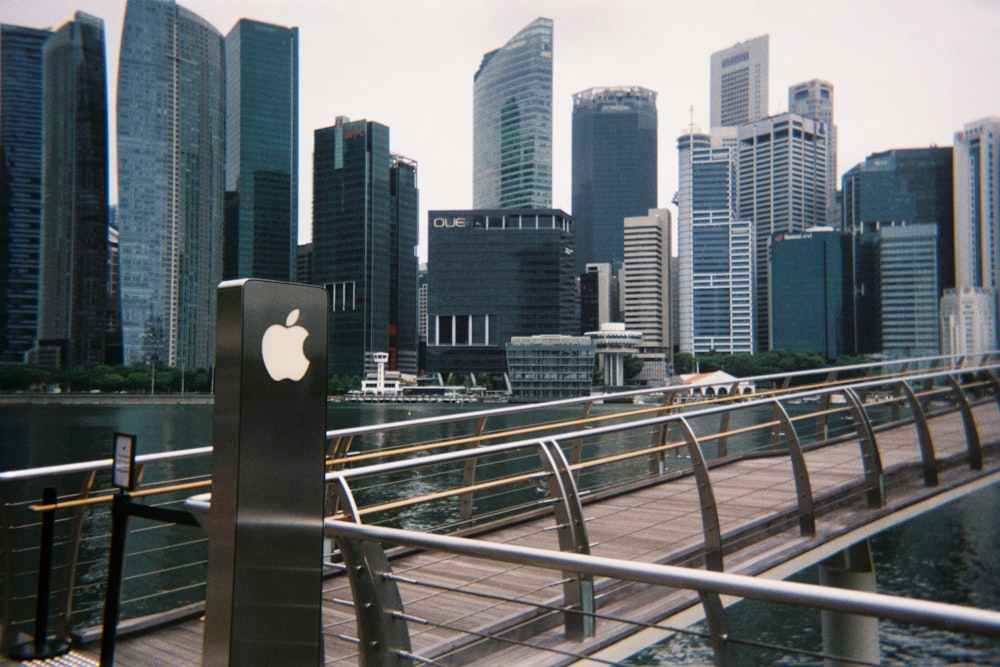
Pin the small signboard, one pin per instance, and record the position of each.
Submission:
(124, 473)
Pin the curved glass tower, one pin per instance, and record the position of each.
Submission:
(512, 122)
(170, 182)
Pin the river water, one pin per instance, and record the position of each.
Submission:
(951, 554)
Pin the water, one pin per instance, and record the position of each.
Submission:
(950, 555)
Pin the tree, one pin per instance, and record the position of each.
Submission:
(632, 366)
(683, 363)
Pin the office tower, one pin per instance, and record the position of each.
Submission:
(492, 275)
(262, 151)
(909, 290)
(599, 297)
(171, 119)
(814, 99)
(74, 314)
(304, 272)
(914, 186)
(614, 168)
(21, 184)
(740, 83)
(782, 187)
(811, 292)
(715, 251)
(365, 224)
(967, 321)
(977, 206)
(512, 122)
(647, 280)
(549, 367)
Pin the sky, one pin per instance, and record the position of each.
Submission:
(906, 73)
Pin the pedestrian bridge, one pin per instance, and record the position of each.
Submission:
(522, 539)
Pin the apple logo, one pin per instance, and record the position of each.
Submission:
(281, 348)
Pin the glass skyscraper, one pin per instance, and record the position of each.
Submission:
(365, 222)
(512, 122)
(614, 168)
(262, 151)
(21, 52)
(909, 290)
(171, 119)
(74, 307)
(715, 250)
(739, 88)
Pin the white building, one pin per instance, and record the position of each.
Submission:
(646, 279)
(740, 83)
(967, 321)
(611, 344)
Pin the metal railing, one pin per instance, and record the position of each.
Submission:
(470, 470)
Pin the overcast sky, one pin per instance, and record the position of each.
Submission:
(906, 73)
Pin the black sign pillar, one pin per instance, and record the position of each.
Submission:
(265, 525)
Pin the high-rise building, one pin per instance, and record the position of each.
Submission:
(908, 290)
(913, 185)
(739, 93)
(715, 252)
(814, 99)
(171, 119)
(74, 311)
(614, 168)
(782, 188)
(967, 321)
(647, 280)
(512, 122)
(977, 206)
(811, 290)
(492, 275)
(21, 52)
(600, 300)
(365, 223)
(262, 151)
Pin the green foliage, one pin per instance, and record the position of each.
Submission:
(106, 379)
(746, 365)
(341, 384)
(15, 377)
(632, 366)
(684, 363)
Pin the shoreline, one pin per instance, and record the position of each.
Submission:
(105, 399)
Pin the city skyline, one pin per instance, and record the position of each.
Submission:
(906, 73)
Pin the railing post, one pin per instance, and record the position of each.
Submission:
(975, 445)
(870, 458)
(718, 628)
(927, 454)
(803, 488)
(578, 589)
(709, 508)
(469, 474)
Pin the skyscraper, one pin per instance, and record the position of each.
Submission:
(977, 205)
(171, 119)
(614, 168)
(646, 274)
(365, 223)
(715, 249)
(21, 52)
(909, 292)
(74, 314)
(814, 99)
(262, 151)
(739, 93)
(782, 187)
(512, 122)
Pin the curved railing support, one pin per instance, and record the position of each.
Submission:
(469, 473)
(870, 458)
(709, 508)
(578, 588)
(923, 435)
(718, 628)
(975, 445)
(803, 489)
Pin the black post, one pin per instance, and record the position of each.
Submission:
(116, 568)
(40, 647)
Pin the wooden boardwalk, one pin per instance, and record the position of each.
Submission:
(658, 523)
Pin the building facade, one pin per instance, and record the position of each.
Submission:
(492, 275)
(512, 122)
(715, 257)
(365, 224)
(811, 293)
(967, 321)
(814, 99)
(74, 308)
(600, 300)
(614, 168)
(171, 119)
(550, 367)
(909, 291)
(647, 282)
(260, 238)
(739, 83)
(781, 176)
(21, 54)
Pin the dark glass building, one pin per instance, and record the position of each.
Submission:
(365, 222)
(21, 52)
(911, 186)
(811, 293)
(492, 275)
(614, 168)
(74, 310)
(262, 151)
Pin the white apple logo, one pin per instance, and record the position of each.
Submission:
(281, 348)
